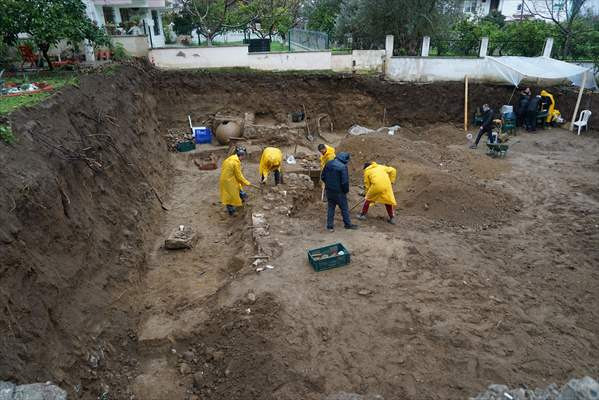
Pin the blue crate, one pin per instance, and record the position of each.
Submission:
(333, 261)
(202, 134)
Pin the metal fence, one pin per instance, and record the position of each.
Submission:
(305, 40)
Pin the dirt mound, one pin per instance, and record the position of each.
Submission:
(441, 196)
(235, 356)
(78, 196)
(434, 180)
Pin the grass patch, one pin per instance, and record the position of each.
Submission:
(58, 80)
(6, 134)
(278, 46)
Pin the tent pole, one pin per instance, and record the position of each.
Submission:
(510, 100)
(584, 81)
(466, 103)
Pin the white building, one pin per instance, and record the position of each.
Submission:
(517, 9)
(130, 22)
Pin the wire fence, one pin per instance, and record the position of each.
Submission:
(527, 48)
(305, 40)
(455, 48)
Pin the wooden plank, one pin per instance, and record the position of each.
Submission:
(466, 103)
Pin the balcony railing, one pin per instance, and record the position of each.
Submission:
(132, 3)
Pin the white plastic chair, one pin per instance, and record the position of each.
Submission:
(583, 120)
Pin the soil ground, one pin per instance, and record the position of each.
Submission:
(489, 275)
(493, 282)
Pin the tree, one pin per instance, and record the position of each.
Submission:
(322, 14)
(269, 17)
(368, 21)
(563, 13)
(209, 17)
(48, 22)
(9, 21)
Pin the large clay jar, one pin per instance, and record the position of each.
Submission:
(227, 130)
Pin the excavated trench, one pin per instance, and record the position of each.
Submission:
(81, 217)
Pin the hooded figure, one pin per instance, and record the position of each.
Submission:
(232, 180)
(335, 176)
(271, 161)
(531, 113)
(552, 113)
(378, 181)
(486, 126)
(522, 106)
(327, 153)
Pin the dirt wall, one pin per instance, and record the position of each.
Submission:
(74, 212)
(347, 99)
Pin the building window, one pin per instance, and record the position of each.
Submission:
(156, 23)
(108, 15)
(470, 6)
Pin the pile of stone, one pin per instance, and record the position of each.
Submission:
(182, 237)
(175, 136)
(32, 391)
(576, 389)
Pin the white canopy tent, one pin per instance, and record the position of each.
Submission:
(543, 70)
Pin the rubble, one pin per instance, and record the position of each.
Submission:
(32, 391)
(182, 237)
(576, 389)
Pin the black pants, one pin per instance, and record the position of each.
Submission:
(488, 130)
(531, 121)
(521, 121)
(277, 175)
(335, 199)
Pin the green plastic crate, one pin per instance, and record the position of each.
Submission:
(185, 146)
(332, 260)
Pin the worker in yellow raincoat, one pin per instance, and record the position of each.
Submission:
(327, 153)
(232, 181)
(378, 181)
(552, 113)
(271, 161)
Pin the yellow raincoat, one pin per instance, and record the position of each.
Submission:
(377, 183)
(271, 160)
(231, 181)
(329, 155)
(552, 113)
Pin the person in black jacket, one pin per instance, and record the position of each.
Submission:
(486, 126)
(336, 182)
(522, 107)
(531, 113)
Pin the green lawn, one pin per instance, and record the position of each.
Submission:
(277, 46)
(56, 79)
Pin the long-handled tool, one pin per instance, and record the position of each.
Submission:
(357, 204)
(256, 187)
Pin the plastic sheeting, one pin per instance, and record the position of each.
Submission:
(547, 70)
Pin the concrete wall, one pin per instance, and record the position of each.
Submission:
(370, 60)
(429, 69)
(313, 60)
(358, 60)
(341, 62)
(199, 57)
(134, 45)
(238, 56)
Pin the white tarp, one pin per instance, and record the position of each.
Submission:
(548, 70)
